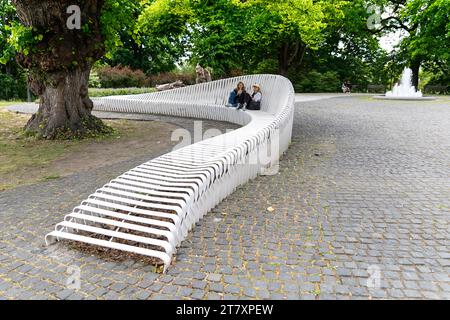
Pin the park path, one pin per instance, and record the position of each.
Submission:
(361, 210)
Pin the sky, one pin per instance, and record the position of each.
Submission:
(389, 41)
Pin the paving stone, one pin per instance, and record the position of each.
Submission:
(199, 284)
(145, 283)
(231, 279)
(99, 292)
(75, 296)
(231, 297)
(64, 294)
(118, 287)
(214, 277)
(185, 292)
(199, 276)
(198, 294)
(291, 287)
(232, 289)
(413, 294)
(181, 282)
(250, 292)
(156, 287)
(263, 294)
(216, 287)
(274, 286)
(105, 283)
(306, 287)
(169, 290)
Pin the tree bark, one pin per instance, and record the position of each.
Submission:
(64, 106)
(283, 66)
(288, 54)
(415, 67)
(59, 66)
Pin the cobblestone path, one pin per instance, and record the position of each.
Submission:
(361, 210)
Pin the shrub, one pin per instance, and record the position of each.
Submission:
(187, 77)
(94, 80)
(436, 89)
(13, 87)
(314, 81)
(267, 66)
(120, 77)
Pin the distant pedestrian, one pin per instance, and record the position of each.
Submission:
(347, 87)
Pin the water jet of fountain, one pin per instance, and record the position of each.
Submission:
(405, 89)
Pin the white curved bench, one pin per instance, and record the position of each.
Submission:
(150, 209)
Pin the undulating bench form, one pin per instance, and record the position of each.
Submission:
(150, 209)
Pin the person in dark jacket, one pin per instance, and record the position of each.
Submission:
(237, 96)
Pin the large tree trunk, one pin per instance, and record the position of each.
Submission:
(283, 57)
(415, 67)
(288, 54)
(60, 64)
(64, 107)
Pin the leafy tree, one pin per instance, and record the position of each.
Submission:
(149, 50)
(59, 58)
(208, 31)
(427, 25)
(8, 15)
(233, 34)
(430, 41)
(216, 35)
(348, 51)
(12, 76)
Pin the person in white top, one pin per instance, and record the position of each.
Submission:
(253, 101)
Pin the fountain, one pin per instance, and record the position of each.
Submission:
(405, 90)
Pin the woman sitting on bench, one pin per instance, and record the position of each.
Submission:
(237, 96)
(252, 102)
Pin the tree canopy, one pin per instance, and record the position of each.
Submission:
(59, 57)
(426, 25)
(232, 34)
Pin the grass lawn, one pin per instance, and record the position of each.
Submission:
(25, 160)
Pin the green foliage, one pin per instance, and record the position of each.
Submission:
(318, 82)
(273, 22)
(13, 87)
(433, 79)
(217, 35)
(427, 32)
(21, 39)
(101, 92)
(7, 16)
(266, 66)
(94, 80)
(348, 52)
(161, 27)
(313, 41)
(149, 49)
(116, 17)
(228, 35)
(431, 40)
(12, 77)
